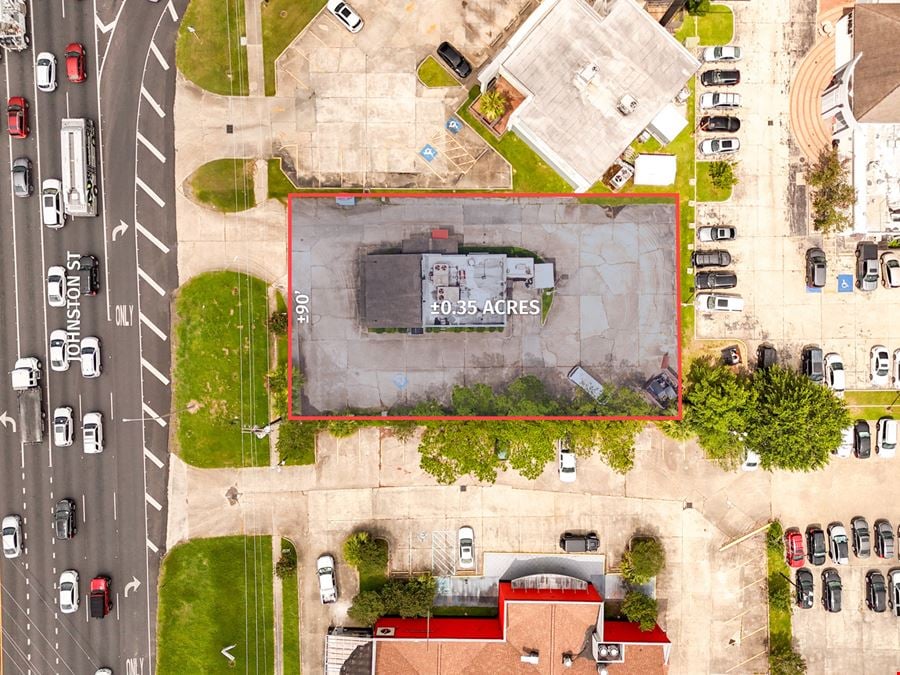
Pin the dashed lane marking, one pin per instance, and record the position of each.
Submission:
(155, 286)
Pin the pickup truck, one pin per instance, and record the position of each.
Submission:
(327, 586)
(26, 382)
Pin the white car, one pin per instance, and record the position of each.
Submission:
(69, 595)
(894, 591)
(51, 204)
(719, 146)
(466, 539)
(719, 302)
(710, 233)
(92, 432)
(845, 449)
(896, 372)
(107, 671)
(566, 463)
(12, 536)
(63, 427)
(45, 72)
(56, 286)
(719, 100)
(890, 270)
(886, 438)
(880, 363)
(58, 359)
(834, 374)
(90, 357)
(327, 586)
(751, 461)
(344, 13)
(722, 53)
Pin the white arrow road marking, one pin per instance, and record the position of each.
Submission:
(121, 228)
(147, 233)
(132, 585)
(6, 420)
(158, 375)
(156, 287)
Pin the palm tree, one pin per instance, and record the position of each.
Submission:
(493, 105)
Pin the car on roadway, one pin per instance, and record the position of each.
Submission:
(812, 363)
(834, 373)
(345, 14)
(879, 366)
(815, 545)
(51, 204)
(831, 590)
(720, 78)
(894, 591)
(21, 177)
(69, 595)
(867, 266)
(805, 587)
(90, 357)
(895, 373)
(886, 437)
(709, 233)
(884, 539)
(862, 546)
(17, 117)
(92, 432)
(722, 53)
(751, 461)
(845, 449)
(838, 544)
(862, 439)
(715, 280)
(719, 101)
(719, 146)
(876, 591)
(793, 548)
(454, 59)
(890, 270)
(65, 521)
(566, 460)
(88, 275)
(11, 529)
(719, 302)
(56, 286)
(99, 597)
(715, 123)
(45, 72)
(59, 362)
(325, 572)
(714, 258)
(816, 268)
(63, 427)
(105, 670)
(75, 71)
(466, 540)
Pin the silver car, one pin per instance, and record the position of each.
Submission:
(719, 146)
(722, 53)
(90, 357)
(59, 362)
(92, 432)
(21, 177)
(466, 548)
(69, 595)
(56, 286)
(63, 427)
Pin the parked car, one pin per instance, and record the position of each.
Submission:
(707, 234)
(21, 177)
(466, 539)
(91, 365)
(867, 266)
(69, 595)
(722, 53)
(11, 530)
(453, 58)
(845, 449)
(816, 268)
(766, 356)
(45, 72)
(345, 14)
(75, 71)
(17, 117)
(99, 598)
(579, 543)
(716, 123)
(793, 548)
(718, 78)
(59, 361)
(327, 586)
(815, 545)
(894, 591)
(838, 544)
(890, 270)
(862, 439)
(886, 437)
(56, 286)
(895, 373)
(834, 373)
(63, 427)
(805, 588)
(884, 539)
(751, 461)
(714, 258)
(92, 432)
(719, 146)
(831, 590)
(566, 459)
(876, 591)
(718, 302)
(719, 101)
(812, 363)
(88, 275)
(715, 280)
(861, 545)
(51, 204)
(65, 522)
(880, 366)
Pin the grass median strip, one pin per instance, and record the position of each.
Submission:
(433, 74)
(290, 619)
(224, 184)
(208, 51)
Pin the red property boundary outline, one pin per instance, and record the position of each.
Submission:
(505, 195)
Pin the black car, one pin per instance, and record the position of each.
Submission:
(713, 78)
(876, 591)
(65, 524)
(766, 356)
(805, 588)
(815, 268)
(862, 439)
(884, 539)
(710, 280)
(862, 546)
(831, 590)
(714, 258)
(579, 543)
(812, 363)
(815, 545)
(720, 123)
(88, 275)
(457, 62)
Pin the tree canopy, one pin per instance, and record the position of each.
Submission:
(644, 559)
(641, 609)
(832, 193)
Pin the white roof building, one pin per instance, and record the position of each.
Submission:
(655, 169)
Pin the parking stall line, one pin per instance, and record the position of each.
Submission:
(159, 56)
(152, 546)
(150, 193)
(151, 237)
(156, 287)
(153, 458)
(152, 326)
(158, 375)
(153, 104)
(152, 413)
(152, 502)
(143, 140)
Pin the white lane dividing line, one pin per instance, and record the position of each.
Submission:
(152, 413)
(153, 240)
(153, 458)
(158, 375)
(152, 502)
(152, 546)
(152, 326)
(159, 56)
(155, 286)
(150, 193)
(143, 140)
(152, 101)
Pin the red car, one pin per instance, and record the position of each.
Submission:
(794, 554)
(100, 597)
(75, 62)
(17, 117)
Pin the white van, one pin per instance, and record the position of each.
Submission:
(579, 376)
(887, 437)
(719, 302)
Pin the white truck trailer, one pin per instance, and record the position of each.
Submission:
(26, 382)
(13, 32)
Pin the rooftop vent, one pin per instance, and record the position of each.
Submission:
(627, 104)
(531, 657)
(584, 76)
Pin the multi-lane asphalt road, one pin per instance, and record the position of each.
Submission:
(120, 493)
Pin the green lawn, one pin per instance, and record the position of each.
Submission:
(214, 593)
(706, 191)
(779, 619)
(372, 581)
(871, 405)
(715, 28)
(221, 359)
(291, 620)
(280, 186)
(433, 74)
(211, 56)
(225, 184)
(282, 21)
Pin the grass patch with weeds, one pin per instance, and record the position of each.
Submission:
(280, 186)
(373, 580)
(706, 191)
(210, 55)
(433, 74)
(714, 28)
(282, 21)
(290, 620)
(225, 184)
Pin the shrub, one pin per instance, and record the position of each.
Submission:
(721, 174)
(779, 592)
(365, 553)
(409, 597)
(643, 561)
(287, 564)
(640, 609)
(775, 537)
(783, 660)
(493, 105)
(833, 195)
(367, 608)
(278, 322)
(698, 7)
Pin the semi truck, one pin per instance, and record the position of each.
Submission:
(26, 382)
(13, 32)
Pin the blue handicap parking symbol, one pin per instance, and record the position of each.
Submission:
(453, 125)
(845, 283)
(400, 381)
(809, 289)
(428, 153)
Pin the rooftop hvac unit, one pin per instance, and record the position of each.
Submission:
(627, 104)
(386, 631)
(530, 657)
